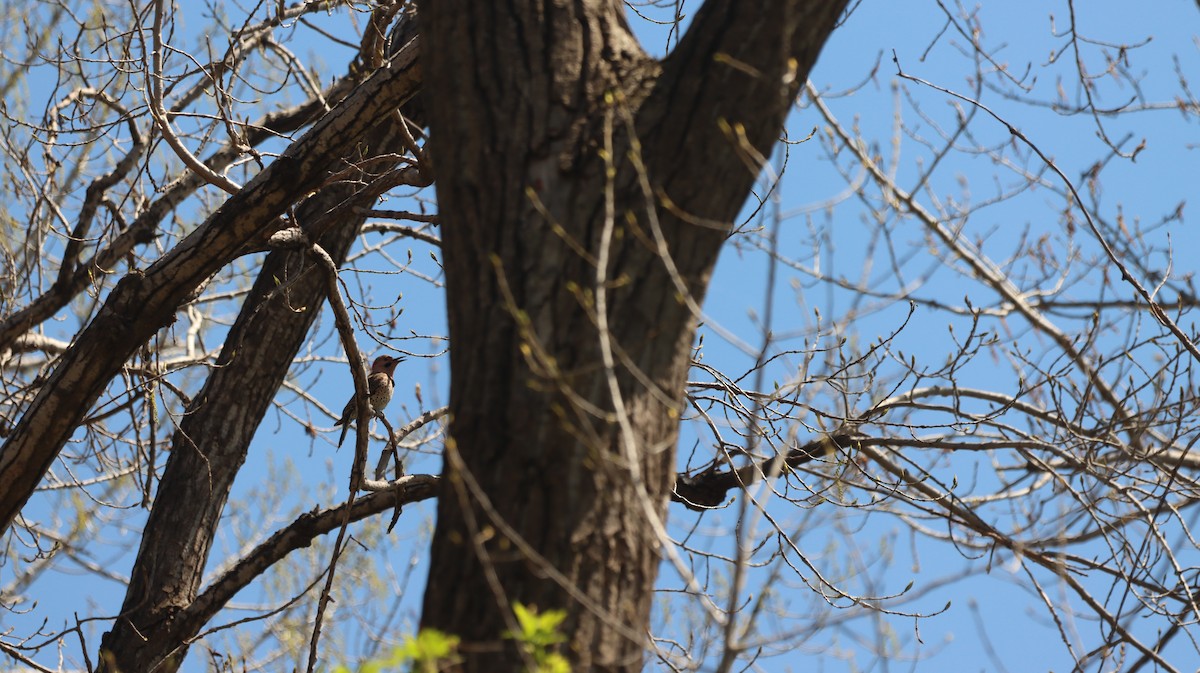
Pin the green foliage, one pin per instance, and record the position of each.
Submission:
(428, 652)
(431, 649)
(539, 634)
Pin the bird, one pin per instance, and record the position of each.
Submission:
(379, 392)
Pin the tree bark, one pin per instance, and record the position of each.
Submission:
(145, 301)
(211, 444)
(559, 144)
(159, 615)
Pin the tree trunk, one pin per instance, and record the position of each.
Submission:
(580, 182)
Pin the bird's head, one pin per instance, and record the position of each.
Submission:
(385, 364)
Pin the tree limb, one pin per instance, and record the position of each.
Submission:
(708, 489)
(144, 302)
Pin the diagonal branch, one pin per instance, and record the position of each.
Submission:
(708, 489)
(144, 302)
(144, 228)
(722, 98)
(298, 534)
(1155, 308)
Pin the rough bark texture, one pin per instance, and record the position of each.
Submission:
(210, 446)
(542, 504)
(74, 278)
(144, 302)
(160, 612)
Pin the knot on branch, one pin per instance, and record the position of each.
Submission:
(290, 239)
(708, 489)
(126, 300)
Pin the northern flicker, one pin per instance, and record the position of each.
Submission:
(379, 392)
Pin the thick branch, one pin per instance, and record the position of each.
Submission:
(144, 228)
(709, 489)
(300, 533)
(719, 106)
(216, 431)
(143, 302)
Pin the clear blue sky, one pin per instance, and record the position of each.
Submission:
(873, 553)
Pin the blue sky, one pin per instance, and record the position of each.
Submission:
(870, 552)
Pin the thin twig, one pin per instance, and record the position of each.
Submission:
(1156, 310)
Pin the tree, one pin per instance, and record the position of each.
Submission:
(584, 192)
(575, 263)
